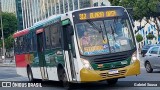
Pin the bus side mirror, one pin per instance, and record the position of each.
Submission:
(70, 29)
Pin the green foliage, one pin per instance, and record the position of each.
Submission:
(141, 8)
(9, 22)
(114, 2)
(139, 37)
(9, 42)
(150, 36)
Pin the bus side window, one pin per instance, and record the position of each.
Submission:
(34, 41)
(71, 39)
(21, 44)
(31, 41)
(25, 44)
(55, 36)
(17, 48)
(47, 37)
(26, 50)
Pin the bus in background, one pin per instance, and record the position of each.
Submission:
(87, 45)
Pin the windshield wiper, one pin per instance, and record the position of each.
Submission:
(94, 26)
(113, 32)
(97, 28)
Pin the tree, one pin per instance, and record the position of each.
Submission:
(139, 38)
(141, 9)
(9, 42)
(9, 22)
(150, 36)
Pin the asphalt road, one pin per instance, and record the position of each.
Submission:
(9, 74)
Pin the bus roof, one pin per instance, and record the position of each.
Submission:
(21, 33)
(51, 20)
(97, 7)
(40, 24)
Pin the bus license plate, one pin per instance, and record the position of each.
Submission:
(112, 71)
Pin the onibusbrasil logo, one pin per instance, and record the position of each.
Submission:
(20, 84)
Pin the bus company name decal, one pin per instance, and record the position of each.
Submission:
(20, 84)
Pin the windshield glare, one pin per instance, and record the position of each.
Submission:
(115, 36)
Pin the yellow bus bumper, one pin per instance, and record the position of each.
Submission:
(91, 75)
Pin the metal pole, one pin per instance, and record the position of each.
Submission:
(3, 57)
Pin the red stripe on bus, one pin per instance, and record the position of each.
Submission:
(20, 33)
(20, 60)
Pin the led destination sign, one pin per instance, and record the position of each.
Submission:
(99, 14)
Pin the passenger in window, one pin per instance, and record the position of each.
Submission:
(85, 40)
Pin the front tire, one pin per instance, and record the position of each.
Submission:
(112, 81)
(149, 69)
(66, 84)
(63, 79)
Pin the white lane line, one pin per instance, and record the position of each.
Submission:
(15, 79)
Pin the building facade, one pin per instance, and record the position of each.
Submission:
(8, 6)
(148, 28)
(32, 11)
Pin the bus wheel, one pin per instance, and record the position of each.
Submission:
(112, 81)
(65, 82)
(30, 75)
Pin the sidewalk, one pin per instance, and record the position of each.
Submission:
(8, 62)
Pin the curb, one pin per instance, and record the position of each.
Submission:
(7, 65)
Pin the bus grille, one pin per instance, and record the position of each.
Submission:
(121, 72)
(110, 59)
(108, 68)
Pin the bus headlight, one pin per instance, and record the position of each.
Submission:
(86, 64)
(134, 57)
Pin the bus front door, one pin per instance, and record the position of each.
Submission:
(69, 47)
(42, 62)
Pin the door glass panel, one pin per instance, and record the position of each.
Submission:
(47, 37)
(55, 36)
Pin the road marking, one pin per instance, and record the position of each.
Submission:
(15, 79)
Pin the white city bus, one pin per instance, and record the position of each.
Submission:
(92, 44)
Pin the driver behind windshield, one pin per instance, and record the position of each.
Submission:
(85, 39)
(104, 37)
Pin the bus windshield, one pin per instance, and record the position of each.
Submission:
(115, 36)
